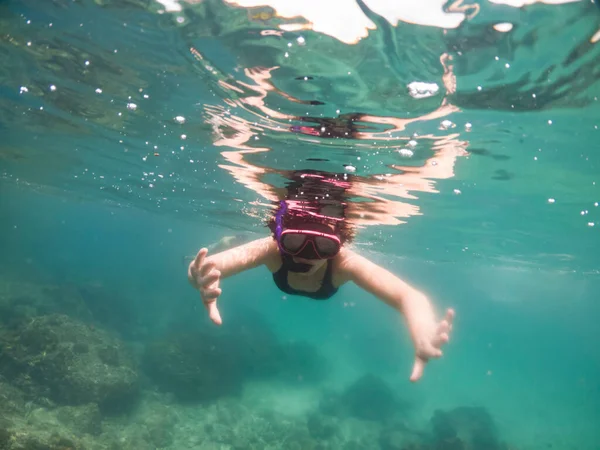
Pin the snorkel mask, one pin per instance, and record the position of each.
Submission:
(306, 243)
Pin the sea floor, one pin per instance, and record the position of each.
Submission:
(74, 375)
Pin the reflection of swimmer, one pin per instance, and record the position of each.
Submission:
(343, 126)
(307, 256)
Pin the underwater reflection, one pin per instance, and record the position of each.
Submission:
(371, 197)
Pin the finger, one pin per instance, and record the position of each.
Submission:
(441, 339)
(200, 257)
(210, 278)
(213, 312)
(207, 267)
(211, 294)
(433, 352)
(450, 316)
(418, 367)
(443, 327)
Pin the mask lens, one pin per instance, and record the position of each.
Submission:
(326, 247)
(293, 242)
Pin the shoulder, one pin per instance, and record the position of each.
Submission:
(344, 265)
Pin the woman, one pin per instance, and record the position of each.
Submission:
(307, 256)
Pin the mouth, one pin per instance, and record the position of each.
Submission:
(312, 262)
(301, 265)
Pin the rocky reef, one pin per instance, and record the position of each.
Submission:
(200, 365)
(69, 362)
(72, 377)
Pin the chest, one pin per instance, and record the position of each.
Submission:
(304, 283)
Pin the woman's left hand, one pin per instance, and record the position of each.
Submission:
(428, 341)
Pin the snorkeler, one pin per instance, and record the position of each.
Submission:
(307, 256)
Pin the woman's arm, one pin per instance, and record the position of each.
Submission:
(205, 273)
(427, 334)
(244, 257)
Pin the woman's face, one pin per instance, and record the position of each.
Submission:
(315, 264)
(307, 265)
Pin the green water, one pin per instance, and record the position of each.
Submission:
(132, 136)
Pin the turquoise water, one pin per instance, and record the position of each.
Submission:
(135, 133)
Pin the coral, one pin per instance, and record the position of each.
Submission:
(67, 360)
(158, 424)
(12, 400)
(263, 356)
(204, 365)
(39, 429)
(88, 302)
(5, 433)
(21, 301)
(393, 438)
(369, 398)
(195, 366)
(239, 427)
(110, 309)
(82, 419)
(321, 427)
(465, 428)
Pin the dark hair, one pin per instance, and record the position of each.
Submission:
(316, 197)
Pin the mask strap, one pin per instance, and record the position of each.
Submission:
(279, 219)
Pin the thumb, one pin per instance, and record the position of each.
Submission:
(213, 312)
(418, 368)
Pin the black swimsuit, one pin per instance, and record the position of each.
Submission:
(326, 290)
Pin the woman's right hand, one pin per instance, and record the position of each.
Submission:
(204, 276)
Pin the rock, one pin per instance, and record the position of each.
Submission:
(82, 419)
(194, 366)
(12, 400)
(465, 427)
(369, 398)
(321, 427)
(66, 358)
(398, 436)
(5, 434)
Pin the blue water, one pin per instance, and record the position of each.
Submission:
(132, 136)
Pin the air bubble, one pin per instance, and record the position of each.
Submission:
(420, 89)
(446, 124)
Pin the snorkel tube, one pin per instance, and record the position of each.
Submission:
(287, 260)
(278, 221)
